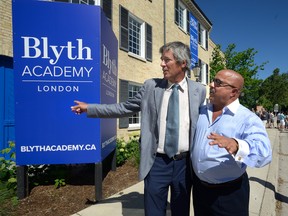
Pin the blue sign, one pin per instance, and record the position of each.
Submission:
(62, 52)
(193, 40)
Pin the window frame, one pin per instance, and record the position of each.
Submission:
(87, 2)
(137, 115)
(203, 72)
(105, 4)
(184, 14)
(146, 35)
(141, 46)
(124, 96)
(202, 36)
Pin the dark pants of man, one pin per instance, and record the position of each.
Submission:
(166, 173)
(223, 200)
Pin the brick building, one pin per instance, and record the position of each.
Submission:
(141, 28)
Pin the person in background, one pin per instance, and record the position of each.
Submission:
(278, 120)
(268, 119)
(271, 125)
(257, 112)
(229, 137)
(264, 117)
(286, 121)
(159, 170)
(282, 121)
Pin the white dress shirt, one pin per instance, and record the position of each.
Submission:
(184, 117)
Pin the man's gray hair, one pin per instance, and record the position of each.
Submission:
(181, 52)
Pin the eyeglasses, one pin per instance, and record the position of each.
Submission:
(220, 83)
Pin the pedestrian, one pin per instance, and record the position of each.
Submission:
(278, 120)
(229, 137)
(264, 117)
(286, 121)
(282, 121)
(271, 120)
(159, 170)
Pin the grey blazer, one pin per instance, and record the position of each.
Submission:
(148, 100)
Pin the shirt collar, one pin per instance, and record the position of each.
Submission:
(182, 84)
(232, 107)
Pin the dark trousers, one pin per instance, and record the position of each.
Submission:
(223, 200)
(167, 173)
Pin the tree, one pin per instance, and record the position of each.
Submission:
(274, 90)
(218, 61)
(242, 62)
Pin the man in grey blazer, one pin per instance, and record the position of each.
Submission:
(158, 170)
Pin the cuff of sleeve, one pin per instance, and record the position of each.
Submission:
(88, 111)
(243, 150)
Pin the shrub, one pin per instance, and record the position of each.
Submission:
(8, 182)
(129, 150)
(47, 174)
(59, 183)
(8, 168)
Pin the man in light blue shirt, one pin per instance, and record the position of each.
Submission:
(229, 137)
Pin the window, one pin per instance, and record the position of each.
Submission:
(202, 36)
(204, 72)
(128, 90)
(182, 16)
(134, 121)
(90, 2)
(135, 40)
(135, 35)
(105, 4)
(107, 8)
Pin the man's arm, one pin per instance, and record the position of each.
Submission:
(117, 110)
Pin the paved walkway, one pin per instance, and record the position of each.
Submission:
(282, 191)
(263, 190)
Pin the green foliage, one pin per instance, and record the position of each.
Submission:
(8, 182)
(39, 174)
(274, 90)
(243, 63)
(48, 174)
(8, 168)
(218, 61)
(127, 151)
(59, 183)
(8, 200)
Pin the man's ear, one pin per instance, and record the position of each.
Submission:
(184, 64)
(235, 92)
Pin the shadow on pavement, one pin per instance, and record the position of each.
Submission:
(132, 204)
(266, 184)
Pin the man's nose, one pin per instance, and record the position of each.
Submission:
(212, 85)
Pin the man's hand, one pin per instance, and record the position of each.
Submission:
(79, 108)
(229, 144)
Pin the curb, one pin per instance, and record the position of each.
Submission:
(271, 185)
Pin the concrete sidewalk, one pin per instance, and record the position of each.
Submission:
(263, 186)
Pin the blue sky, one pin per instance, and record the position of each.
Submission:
(258, 24)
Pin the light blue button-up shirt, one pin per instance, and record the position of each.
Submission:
(215, 165)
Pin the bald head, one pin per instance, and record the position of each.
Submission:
(225, 88)
(233, 78)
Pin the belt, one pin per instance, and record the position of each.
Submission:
(176, 157)
(232, 183)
